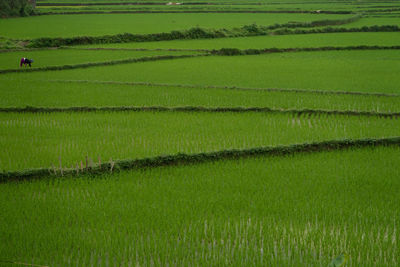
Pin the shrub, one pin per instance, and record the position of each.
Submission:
(15, 8)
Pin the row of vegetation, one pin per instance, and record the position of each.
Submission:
(220, 52)
(96, 64)
(374, 28)
(193, 33)
(299, 210)
(35, 140)
(67, 93)
(299, 112)
(181, 158)
(186, 11)
(285, 90)
(16, 8)
(236, 51)
(199, 33)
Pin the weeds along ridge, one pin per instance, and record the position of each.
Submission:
(193, 33)
(299, 112)
(289, 90)
(219, 52)
(96, 64)
(182, 158)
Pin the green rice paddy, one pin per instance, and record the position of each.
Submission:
(278, 209)
(103, 24)
(39, 140)
(289, 211)
(10, 60)
(354, 71)
(94, 94)
(278, 41)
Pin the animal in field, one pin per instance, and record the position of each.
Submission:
(25, 61)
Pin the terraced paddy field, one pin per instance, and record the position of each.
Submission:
(270, 41)
(100, 24)
(279, 211)
(61, 57)
(39, 138)
(373, 71)
(259, 134)
(61, 93)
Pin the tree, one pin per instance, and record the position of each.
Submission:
(16, 8)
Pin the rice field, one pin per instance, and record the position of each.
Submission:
(33, 140)
(10, 60)
(100, 24)
(64, 93)
(270, 41)
(371, 71)
(293, 211)
(135, 98)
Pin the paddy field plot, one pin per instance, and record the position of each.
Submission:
(271, 41)
(40, 140)
(59, 57)
(288, 207)
(276, 211)
(98, 94)
(103, 24)
(371, 21)
(354, 71)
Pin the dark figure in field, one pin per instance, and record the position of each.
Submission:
(25, 61)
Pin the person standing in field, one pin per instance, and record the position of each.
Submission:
(24, 61)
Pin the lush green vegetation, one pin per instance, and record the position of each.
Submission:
(98, 24)
(38, 140)
(68, 94)
(59, 57)
(277, 211)
(374, 21)
(278, 41)
(15, 8)
(243, 182)
(365, 71)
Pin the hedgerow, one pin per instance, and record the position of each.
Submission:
(16, 8)
(29, 109)
(64, 12)
(375, 28)
(115, 166)
(236, 52)
(193, 33)
(220, 52)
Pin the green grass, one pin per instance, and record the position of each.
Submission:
(16, 93)
(301, 210)
(373, 21)
(244, 6)
(100, 24)
(39, 140)
(278, 41)
(364, 71)
(59, 57)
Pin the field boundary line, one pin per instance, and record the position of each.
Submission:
(184, 159)
(226, 51)
(243, 52)
(137, 49)
(102, 48)
(298, 112)
(87, 12)
(192, 33)
(164, 3)
(289, 90)
(97, 64)
(375, 28)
